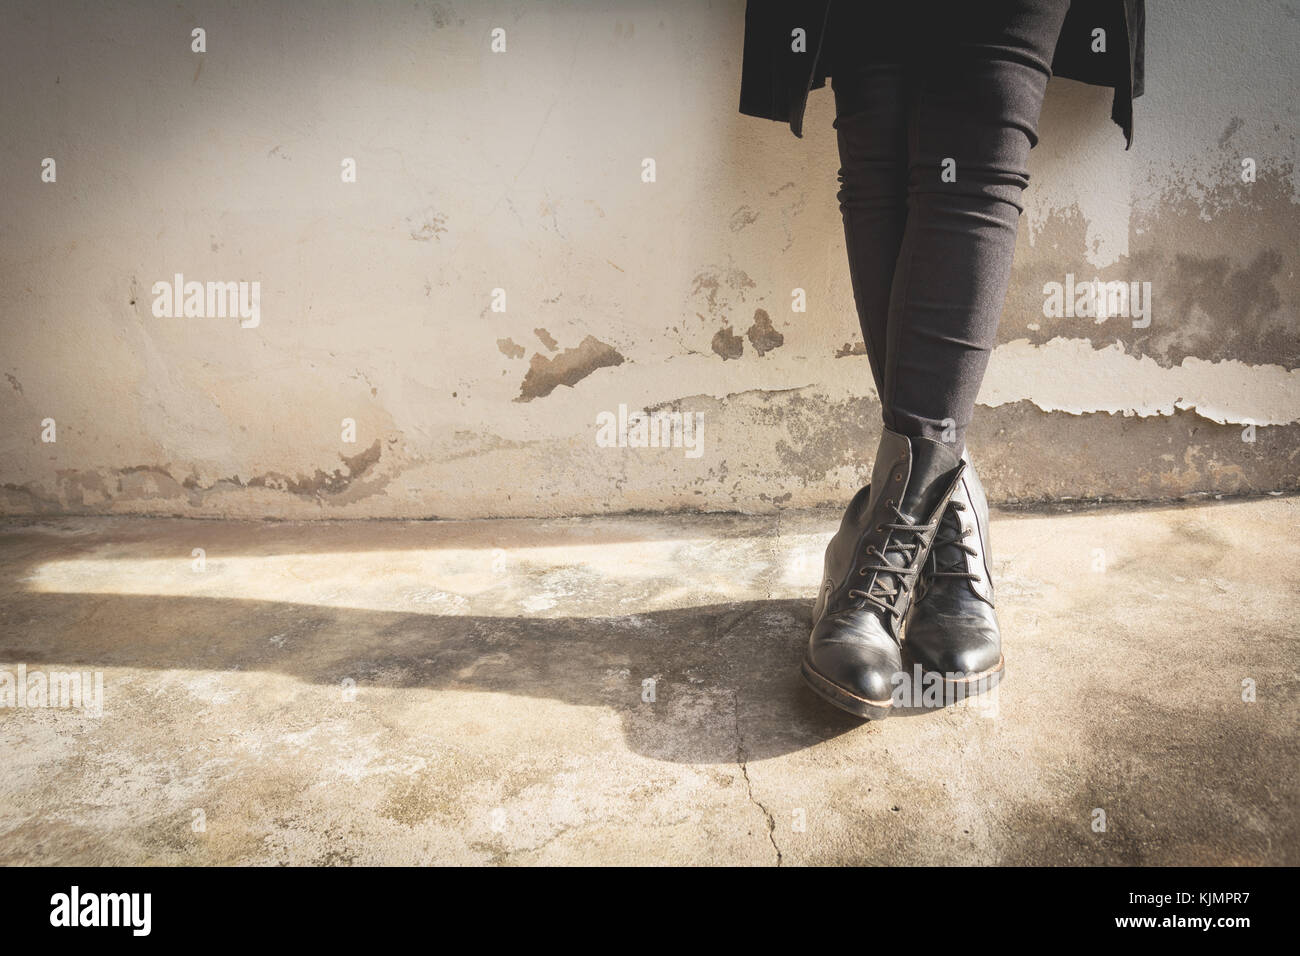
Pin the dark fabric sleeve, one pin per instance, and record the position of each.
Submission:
(1138, 27)
(1119, 67)
(774, 79)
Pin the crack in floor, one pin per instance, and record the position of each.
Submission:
(743, 763)
(774, 568)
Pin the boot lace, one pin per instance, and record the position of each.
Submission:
(949, 544)
(881, 594)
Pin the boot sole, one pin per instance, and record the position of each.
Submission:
(993, 676)
(835, 694)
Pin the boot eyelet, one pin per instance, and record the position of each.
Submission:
(898, 477)
(862, 572)
(880, 529)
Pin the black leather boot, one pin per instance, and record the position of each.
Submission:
(872, 564)
(952, 629)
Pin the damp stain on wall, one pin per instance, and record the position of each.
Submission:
(728, 344)
(321, 483)
(762, 335)
(144, 488)
(569, 367)
(1216, 272)
(510, 348)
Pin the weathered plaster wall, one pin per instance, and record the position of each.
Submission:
(522, 171)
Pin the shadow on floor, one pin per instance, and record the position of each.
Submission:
(713, 667)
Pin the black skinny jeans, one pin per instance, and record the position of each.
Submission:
(936, 87)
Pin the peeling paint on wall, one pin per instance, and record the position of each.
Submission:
(1109, 380)
(1221, 269)
(727, 344)
(762, 335)
(568, 368)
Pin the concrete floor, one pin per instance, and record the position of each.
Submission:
(408, 692)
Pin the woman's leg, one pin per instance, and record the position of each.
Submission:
(871, 129)
(977, 98)
(965, 106)
(977, 84)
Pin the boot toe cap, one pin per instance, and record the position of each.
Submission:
(863, 664)
(955, 643)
